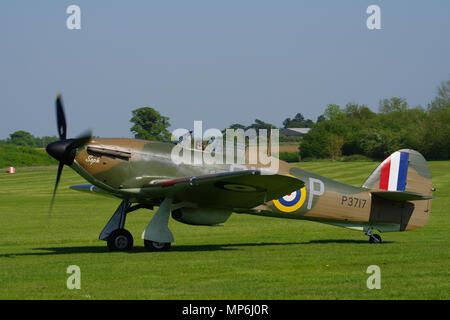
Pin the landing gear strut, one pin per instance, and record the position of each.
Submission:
(373, 238)
(117, 237)
(157, 236)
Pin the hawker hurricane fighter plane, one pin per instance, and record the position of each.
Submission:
(395, 197)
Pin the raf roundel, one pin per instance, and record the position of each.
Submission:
(292, 201)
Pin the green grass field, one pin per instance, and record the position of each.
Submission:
(248, 258)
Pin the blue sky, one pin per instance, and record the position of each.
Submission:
(221, 62)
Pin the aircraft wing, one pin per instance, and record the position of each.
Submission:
(238, 189)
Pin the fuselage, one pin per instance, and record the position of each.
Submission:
(122, 167)
(117, 165)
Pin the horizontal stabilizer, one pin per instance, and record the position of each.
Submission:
(401, 195)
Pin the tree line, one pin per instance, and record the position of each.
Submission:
(25, 139)
(340, 131)
(355, 129)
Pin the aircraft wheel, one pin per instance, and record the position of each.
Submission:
(120, 240)
(156, 246)
(375, 238)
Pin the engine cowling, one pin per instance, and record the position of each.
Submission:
(201, 216)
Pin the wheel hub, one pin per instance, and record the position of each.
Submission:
(121, 242)
(158, 245)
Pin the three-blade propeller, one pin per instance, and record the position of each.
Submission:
(64, 150)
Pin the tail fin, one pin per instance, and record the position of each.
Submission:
(405, 177)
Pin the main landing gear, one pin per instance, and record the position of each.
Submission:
(373, 237)
(156, 246)
(120, 240)
(157, 236)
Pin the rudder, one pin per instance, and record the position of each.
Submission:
(405, 171)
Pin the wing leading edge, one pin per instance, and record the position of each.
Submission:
(238, 189)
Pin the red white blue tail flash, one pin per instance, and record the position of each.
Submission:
(394, 171)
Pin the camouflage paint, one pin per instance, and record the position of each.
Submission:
(131, 166)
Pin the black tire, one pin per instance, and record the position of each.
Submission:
(120, 240)
(375, 238)
(156, 246)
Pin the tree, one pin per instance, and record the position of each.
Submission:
(442, 101)
(437, 129)
(394, 104)
(315, 143)
(21, 138)
(298, 122)
(358, 130)
(359, 112)
(378, 143)
(236, 126)
(334, 146)
(333, 112)
(320, 118)
(259, 124)
(149, 124)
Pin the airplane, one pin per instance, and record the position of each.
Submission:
(395, 197)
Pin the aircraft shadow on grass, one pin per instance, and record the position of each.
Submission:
(180, 248)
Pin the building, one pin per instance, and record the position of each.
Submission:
(294, 132)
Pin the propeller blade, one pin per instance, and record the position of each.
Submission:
(58, 176)
(65, 149)
(60, 118)
(82, 139)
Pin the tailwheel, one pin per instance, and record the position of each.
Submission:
(120, 240)
(156, 246)
(374, 238)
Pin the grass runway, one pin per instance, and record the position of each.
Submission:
(248, 258)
